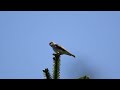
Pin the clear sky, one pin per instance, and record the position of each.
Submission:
(93, 36)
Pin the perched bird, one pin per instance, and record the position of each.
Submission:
(59, 49)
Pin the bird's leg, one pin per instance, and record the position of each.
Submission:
(58, 53)
(54, 54)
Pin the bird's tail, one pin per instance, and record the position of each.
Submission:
(72, 55)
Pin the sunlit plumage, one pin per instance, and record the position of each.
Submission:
(59, 49)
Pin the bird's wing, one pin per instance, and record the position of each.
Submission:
(60, 47)
(63, 49)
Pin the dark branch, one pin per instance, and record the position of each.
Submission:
(47, 74)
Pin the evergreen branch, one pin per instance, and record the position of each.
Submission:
(84, 77)
(47, 74)
(56, 66)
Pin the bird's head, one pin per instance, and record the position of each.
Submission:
(51, 43)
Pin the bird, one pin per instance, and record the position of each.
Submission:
(58, 49)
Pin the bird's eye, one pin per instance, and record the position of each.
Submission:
(50, 43)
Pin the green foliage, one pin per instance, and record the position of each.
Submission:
(84, 77)
(56, 69)
(56, 66)
(47, 74)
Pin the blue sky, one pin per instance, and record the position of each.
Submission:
(93, 36)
